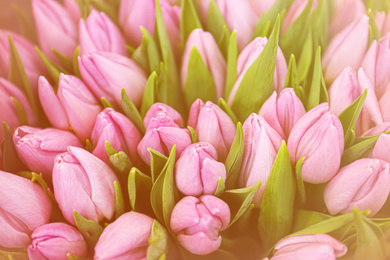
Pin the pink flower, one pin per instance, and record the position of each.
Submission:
(261, 6)
(383, 22)
(294, 11)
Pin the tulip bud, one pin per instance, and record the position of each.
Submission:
(99, 33)
(381, 148)
(315, 247)
(37, 147)
(24, 207)
(55, 241)
(383, 22)
(212, 125)
(73, 9)
(294, 11)
(197, 222)
(379, 129)
(119, 131)
(376, 65)
(211, 56)
(84, 183)
(74, 106)
(160, 111)
(171, 16)
(318, 136)
(384, 104)
(197, 170)
(238, 15)
(107, 73)
(364, 183)
(246, 59)
(261, 6)
(55, 28)
(347, 48)
(283, 111)
(261, 146)
(125, 238)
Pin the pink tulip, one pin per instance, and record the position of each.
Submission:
(318, 136)
(107, 73)
(197, 170)
(211, 55)
(283, 111)
(364, 183)
(55, 241)
(384, 104)
(294, 11)
(73, 106)
(171, 16)
(347, 48)
(238, 15)
(379, 129)
(73, 9)
(99, 33)
(261, 146)
(37, 147)
(197, 222)
(314, 247)
(125, 238)
(55, 28)
(381, 148)
(159, 112)
(84, 183)
(212, 125)
(261, 6)
(376, 65)
(119, 131)
(24, 207)
(246, 59)
(383, 22)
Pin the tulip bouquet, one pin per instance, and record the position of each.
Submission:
(195, 129)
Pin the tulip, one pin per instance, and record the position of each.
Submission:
(261, 6)
(238, 15)
(211, 55)
(212, 125)
(314, 247)
(73, 9)
(384, 104)
(74, 106)
(107, 73)
(160, 111)
(318, 136)
(364, 183)
(55, 241)
(347, 48)
(376, 65)
(383, 22)
(125, 238)
(197, 222)
(55, 28)
(171, 16)
(283, 111)
(119, 131)
(261, 146)
(37, 147)
(99, 33)
(381, 148)
(379, 129)
(84, 183)
(295, 11)
(197, 170)
(24, 207)
(249, 55)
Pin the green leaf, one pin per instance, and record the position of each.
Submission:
(11, 161)
(84, 8)
(306, 57)
(131, 112)
(110, 151)
(22, 118)
(320, 23)
(220, 187)
(373, 27)
(90, 230)
(240, 200)
(65, 62)
(119, 203)
(215, 21)
(223, 41)
(199, 82)
(349, 117)
(41, 182)
(149, 97)
(189, 19)
(231, 75)
(139, 186)
(234, 158)
(88, 146)
(292, 75)
(157, 163)
(106, 103)
(277, 207)
(147, 55)
(224, 106)
(121, 163)
(300, 184)
(315, 89)
(194, 138)
(257, 83)
(358, 150)
(53, 69)
(307, 218)
(268, 19)
(160, 243)
(76, 69)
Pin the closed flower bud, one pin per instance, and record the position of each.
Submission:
(261, 6)
(246, 59)
(119, 131)
(55, 241)
(364, 183)
(379, 129)
(99, 33)
(73, 107)
(107, 73)
(197, 222)
(84, 183)
(318, 136)
(125, 238)
(212, 125)
(314, 247)
(55, 28)
(382, 148)
(294, 11)
(347, 48)
(211, 55)
(197, 170)
(24, 206)
(160, 111)
(37, 147)
(283, 111)
(261, 145)
(383, 22)
(73, 9)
